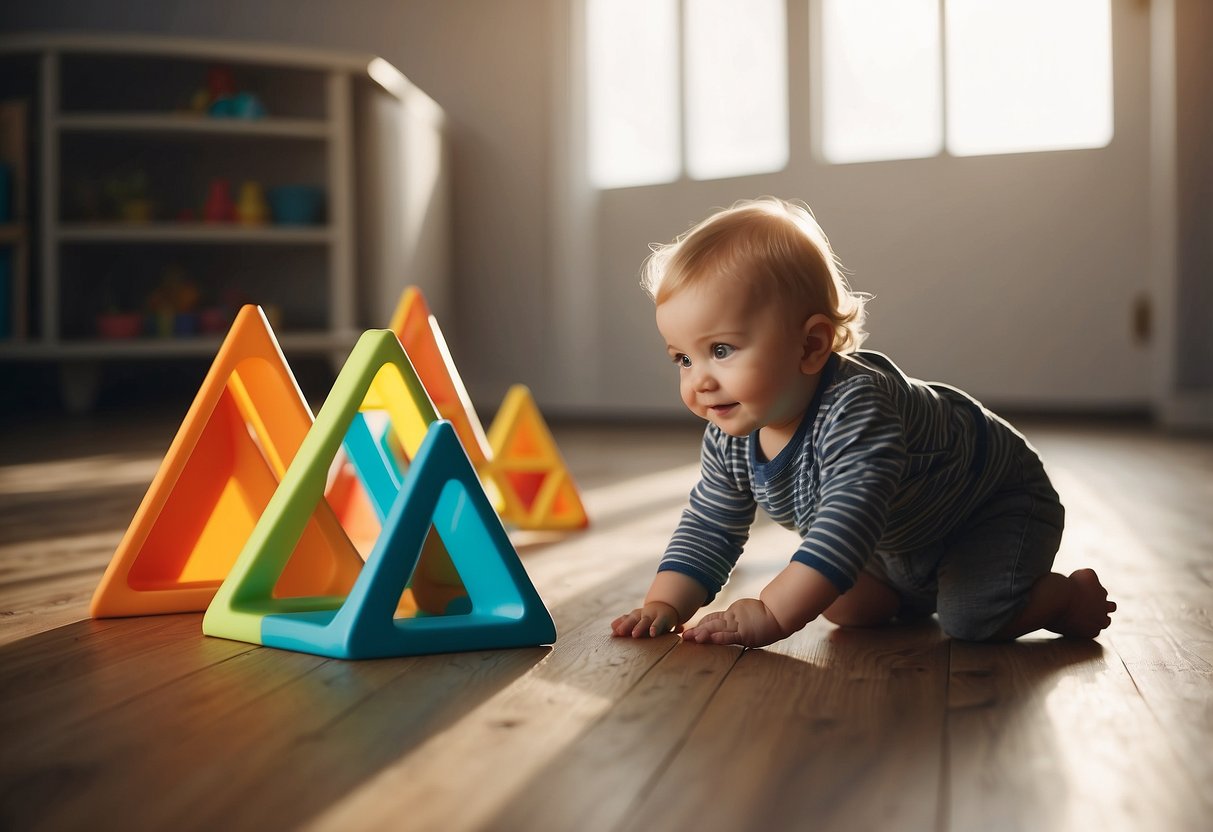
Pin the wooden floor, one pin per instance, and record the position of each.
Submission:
(147, 724)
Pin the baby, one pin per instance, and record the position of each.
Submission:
(910, 498)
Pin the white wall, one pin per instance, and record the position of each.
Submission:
(1011, 276)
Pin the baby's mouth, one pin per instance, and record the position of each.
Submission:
(722, 409)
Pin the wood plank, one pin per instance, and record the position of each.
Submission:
(1176, 683)
(462, 777)
(418, 709)
(1051, 734)
(37, 607)
(133, 762)
(334, 731)
(838, 726)
(593, 784)
(442, 696)
(103, 669)
(616, 760)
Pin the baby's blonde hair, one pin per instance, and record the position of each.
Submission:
(778, 249)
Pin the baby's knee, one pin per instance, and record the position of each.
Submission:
(967, 622)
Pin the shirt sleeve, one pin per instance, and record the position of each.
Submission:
(716, 523)
(861, 452)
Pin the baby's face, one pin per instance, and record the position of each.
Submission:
(738, 358)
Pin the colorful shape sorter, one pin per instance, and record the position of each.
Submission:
(440, 495)
(240, 434)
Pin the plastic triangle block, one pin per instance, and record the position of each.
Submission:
(242, 430)
(352, 505)
(536, 490)
(425, 346)
(246, 594)
(379, 471)
(440, 489)
(526, 485)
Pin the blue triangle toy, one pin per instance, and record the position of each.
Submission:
(441, 488)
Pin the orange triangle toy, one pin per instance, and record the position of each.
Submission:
(236, 442)
(422, 340)
(535, 486)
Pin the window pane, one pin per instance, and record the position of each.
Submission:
(880, 79)
(632, 88)
(1028, 75)
(736, 87)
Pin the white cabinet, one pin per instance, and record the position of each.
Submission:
(127, 150)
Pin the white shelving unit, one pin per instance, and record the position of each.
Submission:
(104, 105)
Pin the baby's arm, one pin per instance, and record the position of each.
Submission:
(673, 598)
(796, 596)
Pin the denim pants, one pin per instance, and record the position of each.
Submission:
(977, 578)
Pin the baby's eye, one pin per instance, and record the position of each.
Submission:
(722, 350)
(682, 360)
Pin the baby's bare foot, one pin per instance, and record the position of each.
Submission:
(1090, 610)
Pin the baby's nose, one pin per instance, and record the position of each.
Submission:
(703, 380)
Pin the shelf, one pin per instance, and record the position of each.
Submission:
(108, 114)
(152, 348)
(180, 232)
(190, 124)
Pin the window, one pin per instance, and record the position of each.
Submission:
(880, 64)
(694, 86)
(897, 80)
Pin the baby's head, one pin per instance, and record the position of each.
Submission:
(775, 248)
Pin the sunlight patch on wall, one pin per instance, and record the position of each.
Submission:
(880, 80)
(904, 79)
(736, 87)
(632, 87)
(694, 87)
(1027, 76)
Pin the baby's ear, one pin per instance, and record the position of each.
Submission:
(818, 344)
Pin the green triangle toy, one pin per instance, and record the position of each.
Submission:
(440, 491)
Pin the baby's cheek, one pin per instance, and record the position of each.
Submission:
(688, 395)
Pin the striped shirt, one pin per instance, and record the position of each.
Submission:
(880, 461)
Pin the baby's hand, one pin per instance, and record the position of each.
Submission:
(653, 619)
(747, 622)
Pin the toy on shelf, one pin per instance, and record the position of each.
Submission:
(242, 431)
(240, 105)
(129, 196)
(172, 305)
(297, 204)
(219, 204)
(440, 492)
(251, 208)
(518, 460)
(114, 325)
(220, 98)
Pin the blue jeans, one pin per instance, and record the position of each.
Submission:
(978, 577)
